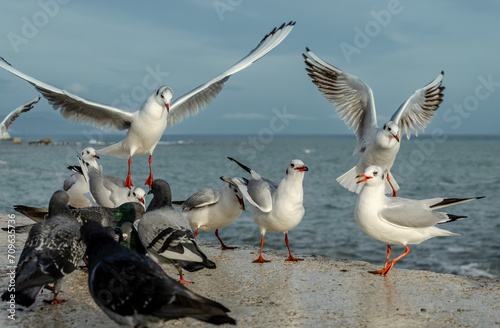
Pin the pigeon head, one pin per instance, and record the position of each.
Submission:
(373, 175)
(129, 212)
(164, 96)
(162, 195)
(59, 204)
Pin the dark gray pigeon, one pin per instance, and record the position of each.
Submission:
(167, 236)
(108, 217)
(52, 251)
(133, 290)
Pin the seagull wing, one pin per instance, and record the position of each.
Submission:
(352, 97)
(202, 198)
(4, 126)
(200, 97)
(76, 108)
(419, 109)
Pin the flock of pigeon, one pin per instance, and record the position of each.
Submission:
(123, 242)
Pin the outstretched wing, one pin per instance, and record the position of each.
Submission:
(4, 126)
(419, 109)
(352, 97)
(200, 97)
(74, 107)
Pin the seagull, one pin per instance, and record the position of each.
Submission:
(275, 207)
(399, 221)
(107, 193)
(146, 126)
(141, 292)
(210, 209)
(167, 236)
(11, 117)
(75, 185)
(356, 106)
(52, 250)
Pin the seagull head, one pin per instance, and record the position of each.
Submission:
(373, 175)
(89, 154)
(233, 187)
(137, 193)
(295, 167)
(391, 130)
(164, 96)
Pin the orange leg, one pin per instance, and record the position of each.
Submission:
(182, 281)
(394, 193)
(149, 181)
(260, 259)
(385, 271)
(196, 232)
(128, 181)
(55, 300)
(290, 258)
(222, 245)
(386, 261)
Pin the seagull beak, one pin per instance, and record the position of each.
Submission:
(168, 107)
(302, 168)
(363, 176)
(96, 156)
(141, 200)
(396, 137)
(242, 203)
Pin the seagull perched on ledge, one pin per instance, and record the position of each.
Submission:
(399, 221)
(146, 126)
(356, 106)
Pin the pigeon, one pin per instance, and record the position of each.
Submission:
(356, 106)
(275, 207)
(133, 290)
(75, 185)
(167, 236)
(398, 220)
(106, 192)
(131, 238)
(108, 217)
(146, 126)
(12, 116)
(210, 209)
(52, 250)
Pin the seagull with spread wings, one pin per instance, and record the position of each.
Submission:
(12, 116)
(356, 106)
(146, 126)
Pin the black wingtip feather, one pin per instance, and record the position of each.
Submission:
(244, 167)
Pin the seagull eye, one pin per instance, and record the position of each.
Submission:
(292, 165)
(134, 194)
(375, 173)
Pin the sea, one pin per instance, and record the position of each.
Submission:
(426, 167)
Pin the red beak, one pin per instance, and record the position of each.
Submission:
(396, 137)
(141, 200)
(242, 203)
(302, 168)
(363, 176)
(96, 156)
(168, 107)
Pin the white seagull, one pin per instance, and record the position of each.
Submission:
(399, 221)
(356, 106)
(275, 207)
(146, 126)
(213, 209)
(12, 116)
(75, 185)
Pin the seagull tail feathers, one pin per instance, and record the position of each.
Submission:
(115, 150)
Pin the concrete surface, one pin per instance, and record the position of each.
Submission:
(316, 292)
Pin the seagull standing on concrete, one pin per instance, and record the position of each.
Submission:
(399, 221)
(167, 236)
(356, 106)
(52, 251)
(213, 209)
(146, 126)
(275, 207)
(141, 292)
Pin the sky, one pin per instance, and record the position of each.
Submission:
(105, 50)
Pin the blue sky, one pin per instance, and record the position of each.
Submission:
(103, 51)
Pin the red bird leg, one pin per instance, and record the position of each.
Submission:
(386, 261)
(181, 280)
(394, 193)
(149, 181)
(196, 232)
(222, 245)
(55, 300)
(128, 181)
(260, 259)
(389, 267)
(290, 258)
